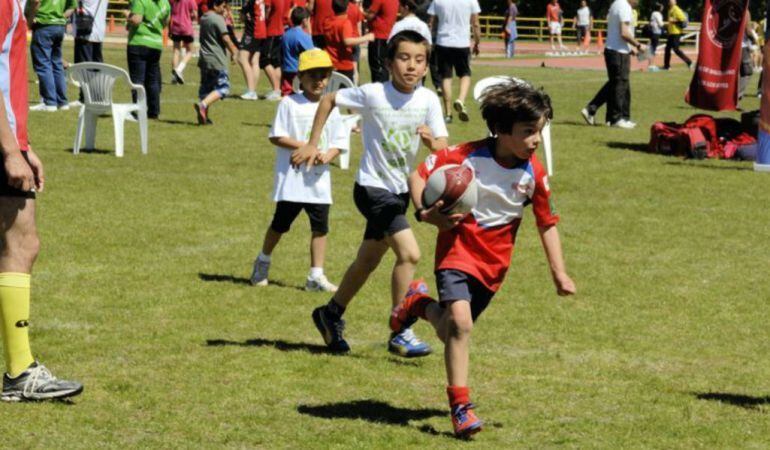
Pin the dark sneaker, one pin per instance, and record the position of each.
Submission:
(464, 420)
(406, 344)
(176, 77)
(331, 330)
(462, 113)
(202, 113)
(37, 383)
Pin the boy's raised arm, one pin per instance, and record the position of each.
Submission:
(549, 236)
(308, 152)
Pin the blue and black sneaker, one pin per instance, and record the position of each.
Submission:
(406, 344)
(331, 330)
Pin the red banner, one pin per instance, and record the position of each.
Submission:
(714, 85)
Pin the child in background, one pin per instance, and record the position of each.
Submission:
(183, 13)
(254, 34)
(340, 40)
(303, 187)
(356, 17)
(396, 116)
(270, 56)
(214, 38)
(295, 41)
(473, 252)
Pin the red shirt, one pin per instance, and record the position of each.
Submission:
(386, 13)
(355, 16)
(260, 26)
(274, 21)
(337, 29)
(482, 244)
(13, 68)
(552, 12)
(320, 15)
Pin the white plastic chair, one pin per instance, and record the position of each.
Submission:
(97, 80)
(336, 82)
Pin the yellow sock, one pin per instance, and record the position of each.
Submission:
(14, 319)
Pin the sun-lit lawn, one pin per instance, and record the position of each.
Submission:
(141, 292)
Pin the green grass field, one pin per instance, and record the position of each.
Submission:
(141, 292)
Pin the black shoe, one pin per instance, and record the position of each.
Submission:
(331, 330)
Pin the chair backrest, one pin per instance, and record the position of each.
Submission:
(96, 80)
(336, 82)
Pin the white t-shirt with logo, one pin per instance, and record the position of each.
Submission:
(620, 12)
(98, 9)
(584, 16)
(390, 121)
(294, 119)
(454, 21)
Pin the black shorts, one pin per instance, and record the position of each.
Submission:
(450, 58)
(250, 44)
(454, 285)
(187, 39)
(582, 31)
(319, 41)
(10, 191)
(271, 54)
(351, 74)
(286, 212)
(384, 211)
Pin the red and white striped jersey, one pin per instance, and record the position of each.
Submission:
(482, 244)
(13, 68)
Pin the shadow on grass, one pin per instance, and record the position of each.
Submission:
(633, 146)
(190, 123)
(740, 400)
(281, 345)
(253, 124)
(94, 151)
(709, 166)
(241, 280)
(375, 411)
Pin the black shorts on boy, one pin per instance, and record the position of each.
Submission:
(455, 285)
(384, 211)
(185, 38)
(7, 190)
(271, 53)
(286, 212)
(250, 44)
(450, 58)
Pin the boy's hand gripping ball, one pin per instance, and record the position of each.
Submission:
(455, 185)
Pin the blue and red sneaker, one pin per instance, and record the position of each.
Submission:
(464, 420)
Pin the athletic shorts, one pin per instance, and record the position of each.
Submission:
(356, 53)
(554, 27)
(319, 41)
(214, 80)
(250, 44)
(351, 74)
(10, 191)
(450, 58)
(286, 212)
(187, 39)
(455, 285)
(384, 211)
(272, 53)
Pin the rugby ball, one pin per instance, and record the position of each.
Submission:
(454, 184)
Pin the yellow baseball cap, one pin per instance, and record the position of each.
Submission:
(315, 58)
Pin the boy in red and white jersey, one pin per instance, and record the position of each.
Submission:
(473, 252)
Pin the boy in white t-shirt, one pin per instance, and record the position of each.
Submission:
(397, 115)
(303, 187)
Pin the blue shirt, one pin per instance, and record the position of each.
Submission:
(295, 41)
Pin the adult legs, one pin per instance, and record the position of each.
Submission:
(675, 46)
(41, 61)
(60, 77)
(137, 66)
(244, 60)
(465, 85)
(624, 87)
(616, 92)
(153, 82)
(377, 67)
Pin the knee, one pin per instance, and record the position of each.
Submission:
(411, 257)
(460, 327)
(23, 249)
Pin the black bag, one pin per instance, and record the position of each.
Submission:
(83, 21)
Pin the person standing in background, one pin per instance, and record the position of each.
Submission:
(656, 29)
(382, 15)
(48, 21)
(183, 13)
(146, 20)
(555, 17)
(320, 12)
(511, 33)
(88, 46)
(677, 21)
(584, 23)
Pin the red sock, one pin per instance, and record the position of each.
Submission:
(458, 395)
(419, 306)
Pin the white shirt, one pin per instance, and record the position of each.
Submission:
(294, 119)
(656, 22)
(584, 16)
(98, 9)
(411, 23)
(620, 12)
(390, 121)
(454, 21)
